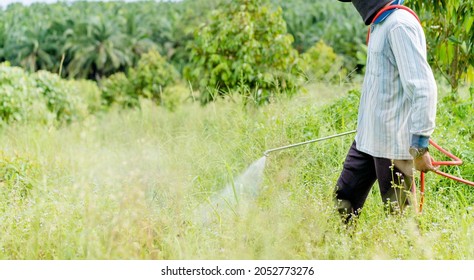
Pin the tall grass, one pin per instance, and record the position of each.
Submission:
(126, 185)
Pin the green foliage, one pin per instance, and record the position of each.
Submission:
(17, 178)
(43, 97)
(97, 195)
(450, 35)
(245, 44)
(89, 93)
(173, 25)
(149, 80)
(96, 39)
(97, 48)
(455, 132)
(118, 89)
(60, 98)
(337, 24)
(175, 95)
(152, 75)
(17, 94)
(321, 63)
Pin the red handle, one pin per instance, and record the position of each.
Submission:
(452, 177)
(422, 190)
(455, 161)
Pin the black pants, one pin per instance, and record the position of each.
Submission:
(360, 172)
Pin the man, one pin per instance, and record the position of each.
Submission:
(396, 112)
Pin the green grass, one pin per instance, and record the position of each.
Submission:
(125, 185)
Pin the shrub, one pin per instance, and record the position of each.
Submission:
(244, 45)
(19, 97)
(61, 100)
(89, 93)
(152, 75)
(174, 95)
(16, 177)
(117, 89)
(321, 63)
(149, 79)
(43, 97)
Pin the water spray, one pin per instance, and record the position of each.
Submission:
(237, 195)
(308, 142)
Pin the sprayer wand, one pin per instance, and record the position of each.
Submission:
(308, 142)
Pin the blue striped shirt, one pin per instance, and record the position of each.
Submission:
(399, 92)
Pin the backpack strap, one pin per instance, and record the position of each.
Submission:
(387, 8)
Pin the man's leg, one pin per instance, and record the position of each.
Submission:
(354, 183)
(395, 179)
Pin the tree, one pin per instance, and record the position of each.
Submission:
(31, 48)
(149, 80)
(138, 37)
(337, 25)
(244, 46)
(97, 48)
(450, 36)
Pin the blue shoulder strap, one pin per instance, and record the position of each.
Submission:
(385, 14)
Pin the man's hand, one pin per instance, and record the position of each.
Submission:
(423, 163)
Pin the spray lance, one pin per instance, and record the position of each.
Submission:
(307, 142)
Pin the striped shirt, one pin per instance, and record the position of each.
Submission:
(399, 92)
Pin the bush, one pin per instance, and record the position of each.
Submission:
(43, 97)
(152, 75)
(116, 89)
(174, 95)
(149, 80)
(61, 100)
(16, 177)
(321, 63)
(89, 93)
(17, 94)
(245, 45)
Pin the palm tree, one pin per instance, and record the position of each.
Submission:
(30, 48)
(2, 38)
(95, 49)
(138, 36)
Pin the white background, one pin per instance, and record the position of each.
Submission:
(323, 270)
(4, 3)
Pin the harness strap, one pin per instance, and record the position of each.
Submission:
(388, 8)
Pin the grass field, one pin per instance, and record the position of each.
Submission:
(126, 185)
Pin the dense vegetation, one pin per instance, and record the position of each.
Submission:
(126, 186)
(107, 152)
(450, 35)
(93, 39)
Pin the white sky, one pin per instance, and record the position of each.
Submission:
(25, 2)
(4, 3)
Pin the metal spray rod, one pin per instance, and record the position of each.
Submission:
(308, 142)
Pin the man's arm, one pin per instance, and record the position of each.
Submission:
(408, 46)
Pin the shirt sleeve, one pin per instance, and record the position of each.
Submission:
(409, 49)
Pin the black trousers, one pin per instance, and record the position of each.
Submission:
(361, 170)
